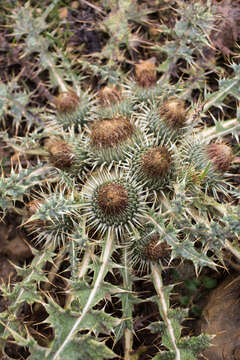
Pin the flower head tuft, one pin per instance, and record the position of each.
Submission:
(220, 156)
(146, 74)
(173, 112)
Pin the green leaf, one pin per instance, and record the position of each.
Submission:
(82, 291)
(100, 322)
(85, 347)
(209, 283)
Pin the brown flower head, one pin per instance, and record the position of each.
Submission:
(110, 132)
(146, 73)
(173, 112)
(156, 162)
(112, 198)
(220, 155)
(60, 154)
(109, 95)
(67, 102)
(156, 249)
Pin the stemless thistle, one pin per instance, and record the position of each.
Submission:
(109, 138)
(148, 247)
(112, 201)
(206, 164)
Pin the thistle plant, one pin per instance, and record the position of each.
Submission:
(116, 185)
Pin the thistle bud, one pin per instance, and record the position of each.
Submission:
(67, 102)
(109, 95)
(150, 164)
(146, 73)
(60, 154)
(110, 132)
(111, 201)
(156, 162)
(220, 156)
(156, 249)
(149, 248)
(173, 112)
(71, 109)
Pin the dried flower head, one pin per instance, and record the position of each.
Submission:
(146, 73)
(110, 132)
(173, 112)
(67, 102)
(60, 154)
(150, 164)
(204, 165)
(155, 249)
(156, 162)
(220, 156)
(110, 138)
(147, 248)
(112, 198)
(109, 95)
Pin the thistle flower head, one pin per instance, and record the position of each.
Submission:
(148, 247)
(52, 216)
(220, 156)
(146, 73)
(165, 122)
(73, 109)
(112, 198)
(67, 102)
(173, 112)
(205, 164)
(155, 162)
(109, 138)
(111, 132)
(109, 95)
(111, 201)
(150, 164)
(60, 154)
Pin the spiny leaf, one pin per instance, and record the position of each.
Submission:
(95, 320)
(84, 347)
(81, 291)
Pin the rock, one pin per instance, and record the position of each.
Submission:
(221, 316)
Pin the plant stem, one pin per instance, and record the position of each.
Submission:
(83, 269)
(128, 333)
(128, 339)
(211, 132)
(105, 257)
(157, 278)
